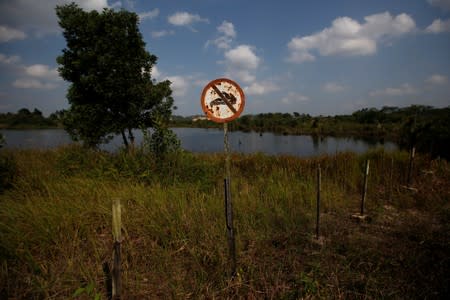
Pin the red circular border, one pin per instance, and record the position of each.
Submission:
(207, 112)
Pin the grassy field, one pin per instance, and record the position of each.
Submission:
(56, 235)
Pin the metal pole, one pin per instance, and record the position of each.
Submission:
(229, 204)
(366, 175)
(318, 201)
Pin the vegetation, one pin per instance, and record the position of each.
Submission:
(55, 226)
(27, 119)
(424, 127)
(111, 89)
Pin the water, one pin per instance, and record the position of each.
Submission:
(211, 140)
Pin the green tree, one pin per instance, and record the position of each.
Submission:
(111, 89)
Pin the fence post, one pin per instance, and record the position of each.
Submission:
(116, 271)
(410, 166)
(318, 201)
(364, 191)
(391, 178)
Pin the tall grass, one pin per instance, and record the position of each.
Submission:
(55, 225)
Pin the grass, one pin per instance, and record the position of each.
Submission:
(55, 226)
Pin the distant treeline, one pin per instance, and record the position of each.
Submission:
(26, 119)
(424, 127)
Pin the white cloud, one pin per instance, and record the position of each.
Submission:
(261, 88)
(162, 33)
(292, 97)
(9, 59)
(180, 85)
(42, 71)
(36, 76)
(444, 4)
(349, 37)
(437, 79)
(155, 73)
(38, 17)
(241, 63)
(149, 14)
(227, 28)
(185, 19)
(242, 57)
(403, 90)
(333, 87)
(32, 83)
(8, 34)
(227, 34)
(439, 26)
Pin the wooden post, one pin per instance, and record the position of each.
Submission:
(117, 234)
(391, 178)
(366, 175)
(410, 167)
(318, 201)
(229, 204)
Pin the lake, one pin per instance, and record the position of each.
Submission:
(211, 140)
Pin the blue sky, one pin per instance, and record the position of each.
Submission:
(317, 57)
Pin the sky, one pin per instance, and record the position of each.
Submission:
(321, 57)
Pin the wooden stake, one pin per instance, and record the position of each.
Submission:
(117, 234)
(410, 167)
(318, 201)
(366, 175)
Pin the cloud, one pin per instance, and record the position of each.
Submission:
(36, 76)
(162, 33)
(444, 4)
(227, 28)
(242, 57)
(155, 73)
(42, 71)
(180, 85)
(149, 14)
(437, 79)
(9, 59)
(31, 83)
(439, 26)
(8, 34)
(38, 17)
(242, 62)
(185, 19)
(333, 87)
(292, 97)
(349, 37)
(261, 88)
(403, 90)
(227, 34)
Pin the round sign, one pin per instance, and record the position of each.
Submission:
(222, 100)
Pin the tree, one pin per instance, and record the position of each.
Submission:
(111, 89)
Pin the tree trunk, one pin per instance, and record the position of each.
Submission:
(125, 141)
(131, 137)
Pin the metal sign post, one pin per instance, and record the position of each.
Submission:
(222, 101)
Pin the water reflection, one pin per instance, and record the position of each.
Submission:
(211, 140)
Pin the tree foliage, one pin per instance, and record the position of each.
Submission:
(111, 89)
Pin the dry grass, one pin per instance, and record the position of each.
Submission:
(55, 227)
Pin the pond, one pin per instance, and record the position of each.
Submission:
(211, 140)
